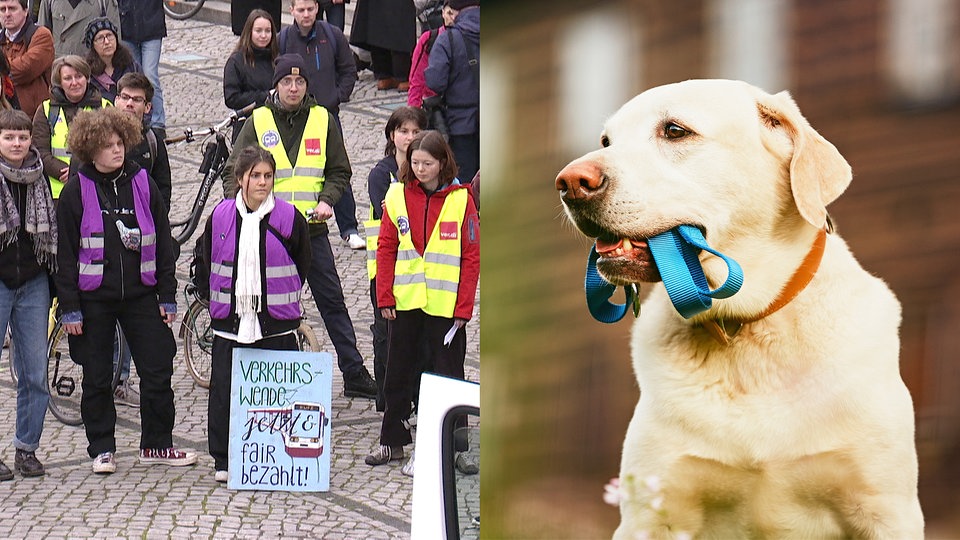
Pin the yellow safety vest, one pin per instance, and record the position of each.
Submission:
(299, 185)
(429, 282)
(371, 228)
(58, 141)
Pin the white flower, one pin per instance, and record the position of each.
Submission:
(653, 483)
(612, 494)
(657, 502)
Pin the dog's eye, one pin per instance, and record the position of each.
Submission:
(673, 131)
(604, 141)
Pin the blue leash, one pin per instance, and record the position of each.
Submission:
(675, 252)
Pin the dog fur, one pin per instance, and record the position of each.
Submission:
(800, 426)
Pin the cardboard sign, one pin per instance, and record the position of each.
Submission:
(280, 420)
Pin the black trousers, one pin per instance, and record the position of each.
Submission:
(221, 376)
(152, 344)
(328, 294)
(379, 331)
(405, 335)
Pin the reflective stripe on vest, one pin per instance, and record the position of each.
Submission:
(58, 141)
(429, 282)
(371, 228)
(299, 185)
(91, 255)
(280, 272)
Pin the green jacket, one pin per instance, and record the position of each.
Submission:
(337, 172)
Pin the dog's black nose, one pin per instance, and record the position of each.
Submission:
(580, 180)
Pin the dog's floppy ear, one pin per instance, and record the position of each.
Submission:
(818, 172)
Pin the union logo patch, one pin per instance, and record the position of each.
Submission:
(270, 139)
(311, 147)
(448, 230)
(403, 225)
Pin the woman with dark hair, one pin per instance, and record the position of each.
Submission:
(403, 125)
(240, 10)
(248, 73)
(428, 266)
(108, 58)
(116, 266)
(251, 244)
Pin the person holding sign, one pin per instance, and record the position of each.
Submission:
(251, 263)
(428, 265)
(116, 265)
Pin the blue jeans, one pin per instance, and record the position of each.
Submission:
(147, 54)
(336, 14)
(26, 309)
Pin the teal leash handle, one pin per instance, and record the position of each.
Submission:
(675, 252)
(599, 291)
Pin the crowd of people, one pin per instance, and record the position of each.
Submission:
(86, 194)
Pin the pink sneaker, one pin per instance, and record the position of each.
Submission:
(167, 456)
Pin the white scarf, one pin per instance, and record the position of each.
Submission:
(248, 291)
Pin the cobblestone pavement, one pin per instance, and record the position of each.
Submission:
(156, 502)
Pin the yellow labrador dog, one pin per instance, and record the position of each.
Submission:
(780, 411)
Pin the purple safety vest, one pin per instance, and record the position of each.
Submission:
(91, 256)
(283, 281)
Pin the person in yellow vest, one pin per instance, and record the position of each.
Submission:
(70, 93)
(313, 171)
(428, 266)
(403, 125)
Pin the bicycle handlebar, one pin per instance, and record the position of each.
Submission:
(235, 116)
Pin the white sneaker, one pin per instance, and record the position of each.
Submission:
(355, 242)
(104, 463)
(407, 469)
(221, 476)
(126, 394)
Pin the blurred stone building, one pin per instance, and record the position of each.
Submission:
(879, 79)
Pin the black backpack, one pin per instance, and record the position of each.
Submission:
(431, 17)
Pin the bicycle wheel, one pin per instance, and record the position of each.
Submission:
(64, 377)
(182, 9)
(197, 342)
(306, 338)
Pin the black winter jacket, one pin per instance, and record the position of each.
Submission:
(142, 20)
(121, 273)
(298, 246)
(331, 71)
(244, 84)
(18, 263)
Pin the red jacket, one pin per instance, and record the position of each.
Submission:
(30, 66)
(423, 211)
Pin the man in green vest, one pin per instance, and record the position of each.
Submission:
(313, 171)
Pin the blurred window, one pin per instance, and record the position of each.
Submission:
(748, 41)
(598, 70)
(923, 45)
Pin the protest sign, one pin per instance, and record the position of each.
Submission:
(280, 420)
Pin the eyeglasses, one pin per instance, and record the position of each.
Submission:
(287, 82)
(136, 99)
(106, 38)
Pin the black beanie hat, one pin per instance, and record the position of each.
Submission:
(460, 4)
(289, 64)
(95, 26)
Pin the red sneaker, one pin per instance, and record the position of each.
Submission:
(167, 456)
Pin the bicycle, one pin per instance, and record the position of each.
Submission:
(182, 9)
(195, 324)
(197, 336)
(215, 154)
(64, 376)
